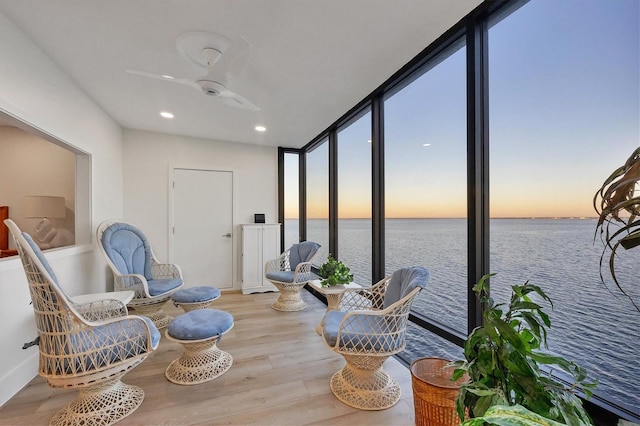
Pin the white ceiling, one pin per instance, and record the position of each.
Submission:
(311, 60)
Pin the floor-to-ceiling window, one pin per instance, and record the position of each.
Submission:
(489, 156)
(291, 193)
(564, 113)
(354, 197)
(317, 200)
(426, 189)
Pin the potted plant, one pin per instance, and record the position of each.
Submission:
(334, 272)
(617, 203)
(503, 361)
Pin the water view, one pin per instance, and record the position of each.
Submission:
(590, 325)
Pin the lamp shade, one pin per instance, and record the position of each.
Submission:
(41, 206)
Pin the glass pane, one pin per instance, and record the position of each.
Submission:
(564, 106)
(291, 199)
(354, 198)
(426, 187)
(422, 343)
(318, 200)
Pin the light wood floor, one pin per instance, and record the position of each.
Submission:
(280, 376)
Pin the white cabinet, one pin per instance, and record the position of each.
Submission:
(260, 243)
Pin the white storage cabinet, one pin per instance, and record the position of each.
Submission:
(260, 243)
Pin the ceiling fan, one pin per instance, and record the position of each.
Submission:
(222, 58)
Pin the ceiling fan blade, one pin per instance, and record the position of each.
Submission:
(233, 61)
(237, 101)
(164, 77)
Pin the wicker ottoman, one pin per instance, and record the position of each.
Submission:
(199, 331)
(190, 299)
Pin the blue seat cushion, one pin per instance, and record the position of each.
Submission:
(196, 294)
(200, 324)
(281, 276)
(113, 342)
(155, 334)
(360, 333)
(161, 286)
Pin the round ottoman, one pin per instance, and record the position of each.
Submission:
(190, 299)
(198, 332)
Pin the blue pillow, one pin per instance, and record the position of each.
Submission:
(128, 249)
(403, 281)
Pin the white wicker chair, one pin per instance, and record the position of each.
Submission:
(369, 328)
(289, 273)
(134, 266)
(89, 347)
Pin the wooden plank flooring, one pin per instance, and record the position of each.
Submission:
(280, 376)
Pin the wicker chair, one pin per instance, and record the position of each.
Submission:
(289, 273)
(135, 267)
(89, 347)
(369, 327)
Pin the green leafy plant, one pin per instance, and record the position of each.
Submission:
(505, 415)
(503, 361)
(617, 203)
(334, 272)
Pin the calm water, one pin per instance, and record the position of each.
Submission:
(590, 325)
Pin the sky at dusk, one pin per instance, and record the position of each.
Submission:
(564, 85)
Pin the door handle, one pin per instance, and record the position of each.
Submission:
(227, 235)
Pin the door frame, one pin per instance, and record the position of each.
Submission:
(234, 219)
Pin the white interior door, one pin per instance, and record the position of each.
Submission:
(203, 226)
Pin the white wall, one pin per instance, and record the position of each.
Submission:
(148, 159)
(38, 94)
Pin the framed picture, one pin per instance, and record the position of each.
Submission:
(258, 218)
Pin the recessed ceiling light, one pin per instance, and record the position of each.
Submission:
(260, 129)
(168, 77)
(426, 144)
(166, 114)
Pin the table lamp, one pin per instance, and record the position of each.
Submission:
(44, 207)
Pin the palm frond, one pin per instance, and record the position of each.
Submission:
(617, 203)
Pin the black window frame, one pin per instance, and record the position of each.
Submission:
(471, 30)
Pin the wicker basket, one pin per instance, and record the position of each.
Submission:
(434, 394)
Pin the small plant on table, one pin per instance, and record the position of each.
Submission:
(334, 272)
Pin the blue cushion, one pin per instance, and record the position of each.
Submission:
(302, 252)
(109, 336)
(128, 249)
(40, 256)
(155, 334)
(359, 333)
(200, 324)
(161, 286)
(403, 281)
(195, 294)
(281, 276)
